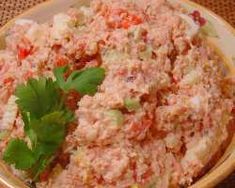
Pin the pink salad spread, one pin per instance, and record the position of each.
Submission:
(161, 112)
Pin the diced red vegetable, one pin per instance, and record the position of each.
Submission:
(23, 53)
(202, 21)
(8, 80)
(72, 100)
(24, 48)
(135, 20)
(63, 159)
(196, 15)
(126, 19)
(44, 176)
(60, 62)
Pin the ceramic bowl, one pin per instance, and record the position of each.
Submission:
(217, 31)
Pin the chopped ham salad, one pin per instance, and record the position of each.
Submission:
(118, 94)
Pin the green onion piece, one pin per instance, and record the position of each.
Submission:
(131, 104)
(116, 116)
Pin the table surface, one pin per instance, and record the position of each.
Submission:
(224, 8)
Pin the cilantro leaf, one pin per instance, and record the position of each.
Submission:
(59, 74)
(18, 153)
(84, 82)
(28, 131)
(38, 97)
(50, 128)
(45, 117)
(46, 135)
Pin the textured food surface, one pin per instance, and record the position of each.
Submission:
(161, 112)
(11, 8)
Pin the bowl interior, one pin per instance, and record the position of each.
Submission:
(223, 38)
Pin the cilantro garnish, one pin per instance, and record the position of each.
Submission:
(38, 97)
(45, 118)
(84, 82)
(23, 159)
(42, 107)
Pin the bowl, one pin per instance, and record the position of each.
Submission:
(218, 33)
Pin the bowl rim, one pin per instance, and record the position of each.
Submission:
(225, 168)
(48, 2)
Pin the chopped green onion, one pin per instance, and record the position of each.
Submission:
(131, 104)
(116, 116)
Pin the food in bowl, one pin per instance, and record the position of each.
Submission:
(117, 94)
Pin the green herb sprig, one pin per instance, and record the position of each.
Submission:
(42, 107)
